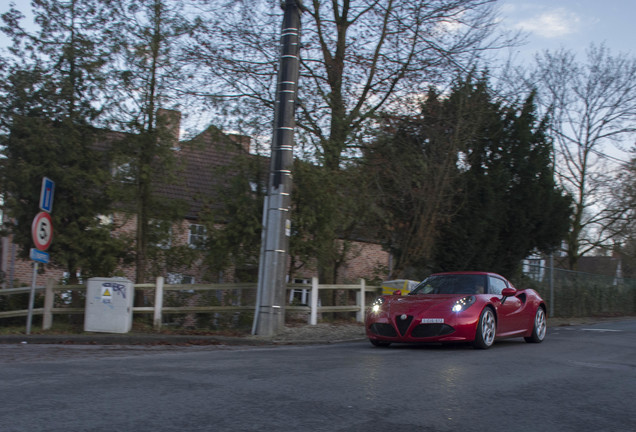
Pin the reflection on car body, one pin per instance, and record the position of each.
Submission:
(477, 307)
(405, 286)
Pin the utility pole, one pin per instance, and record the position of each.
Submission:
(269, 315)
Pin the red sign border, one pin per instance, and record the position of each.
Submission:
(34, 225)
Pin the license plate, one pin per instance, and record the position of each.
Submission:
(432, 320)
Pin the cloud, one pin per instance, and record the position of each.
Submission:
(552, 24)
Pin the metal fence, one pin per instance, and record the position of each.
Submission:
(578, 294)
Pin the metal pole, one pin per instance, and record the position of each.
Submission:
(269, 314)
(551, 285)
(261, 267)
(12, 268)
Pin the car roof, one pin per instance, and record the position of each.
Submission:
(468, 273)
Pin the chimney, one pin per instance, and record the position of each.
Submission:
(169, 123)
(242, 140)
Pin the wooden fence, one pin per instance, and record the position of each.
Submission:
(158, 292)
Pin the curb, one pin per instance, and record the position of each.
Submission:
(156, 340)
(248, 340)
(129, 339)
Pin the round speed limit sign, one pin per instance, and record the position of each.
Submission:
(42, 231)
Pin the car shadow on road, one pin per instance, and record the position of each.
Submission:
(449, 346)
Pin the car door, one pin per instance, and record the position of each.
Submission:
(508, 308)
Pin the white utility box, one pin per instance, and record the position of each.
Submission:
(109, 303)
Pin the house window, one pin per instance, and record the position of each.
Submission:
(66, 276)
(106, 220)
(534, 268)
(160, 233)
(123, 173)
(300, 295)
(179, 278)
(197, 236)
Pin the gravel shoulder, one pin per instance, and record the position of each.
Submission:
(322, 333)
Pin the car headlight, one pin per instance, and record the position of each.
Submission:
(463, 303)
(377, 304)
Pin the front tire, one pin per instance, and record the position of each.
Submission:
(486, 330)
(539, 328)
(379, 343)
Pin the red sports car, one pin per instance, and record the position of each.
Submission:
(477, 307)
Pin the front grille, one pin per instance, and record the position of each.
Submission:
(380, 329)
(431, 330)
(403, 324)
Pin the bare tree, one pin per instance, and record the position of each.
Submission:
(148, 74)
(357, 58)
(593, 106)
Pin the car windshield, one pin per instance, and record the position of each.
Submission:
(452, 284)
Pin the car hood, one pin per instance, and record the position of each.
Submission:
(413, 304)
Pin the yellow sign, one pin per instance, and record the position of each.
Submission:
(404, 285)
(106, 295)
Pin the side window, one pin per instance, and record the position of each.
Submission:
(495, 285)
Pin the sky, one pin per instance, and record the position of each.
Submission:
(571, 24)
(549, 24)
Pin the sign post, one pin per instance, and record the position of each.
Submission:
(42, 234)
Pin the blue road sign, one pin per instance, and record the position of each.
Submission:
(39, 256)
(46, 194)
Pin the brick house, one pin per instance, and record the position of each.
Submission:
(201, 159)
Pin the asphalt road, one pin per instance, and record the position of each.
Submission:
(582, 378)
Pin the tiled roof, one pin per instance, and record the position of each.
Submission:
(204, 165)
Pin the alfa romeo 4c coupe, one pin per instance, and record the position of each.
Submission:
(475, 307)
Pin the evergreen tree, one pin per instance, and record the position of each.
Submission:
(233, 220)
(509, 204)
(414, 164)
(327, 215)
(52, 88)
(357, 59)
(467, 185)
(149, 76)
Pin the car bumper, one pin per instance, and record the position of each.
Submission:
(422, 329)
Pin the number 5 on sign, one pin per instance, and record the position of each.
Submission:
(42, 231)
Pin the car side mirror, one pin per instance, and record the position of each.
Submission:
(508, 292)
(397, 292)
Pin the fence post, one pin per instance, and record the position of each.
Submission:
(313, 317)
(47, 314)
(361, 301)
(158, 303)
(551, 313)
